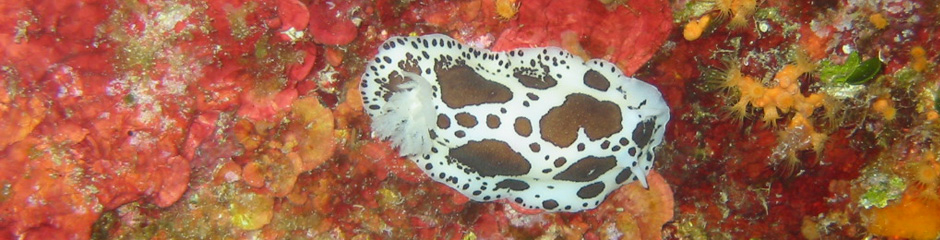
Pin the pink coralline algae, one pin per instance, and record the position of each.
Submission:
(627, 35)
(331, 22)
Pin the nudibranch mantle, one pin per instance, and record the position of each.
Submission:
(537, 126)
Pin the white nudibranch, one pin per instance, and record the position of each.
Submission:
(537, 126)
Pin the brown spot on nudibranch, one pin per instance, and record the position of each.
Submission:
(523, 126)
(549, 204)
(560, 162)
(587, 169)
(491, 158)
(643, 132)
(624, 175)
(394, 79)
(535, 147)
(595, 80)
(512, 184)
(410, 64)
(599, 119)
(591, 190)
(443, 122)
(492, 121)
(526, 79)
(461, 86)
(466, 120)
(532, 96)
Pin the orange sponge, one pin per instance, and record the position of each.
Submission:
(913, 217)
(693, 30)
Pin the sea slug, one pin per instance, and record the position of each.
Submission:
(537, 126)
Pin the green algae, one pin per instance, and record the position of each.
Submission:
(853, 71)
(882, 189)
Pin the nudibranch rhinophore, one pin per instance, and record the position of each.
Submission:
(537, 126)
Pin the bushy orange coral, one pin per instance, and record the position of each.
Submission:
(777, 101)
(878, 20)
(926, 175)
(781, 98)
(799, 135)
(507, 9)
(918, 59)
(885, 107)
(738, 10)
